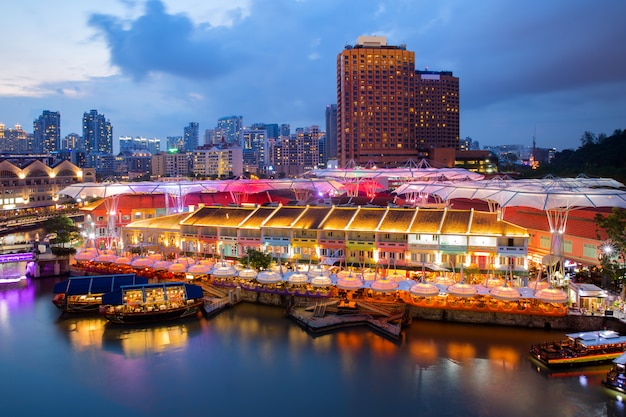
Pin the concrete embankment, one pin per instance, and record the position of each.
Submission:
(566, 323)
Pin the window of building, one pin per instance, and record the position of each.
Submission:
(589, 250)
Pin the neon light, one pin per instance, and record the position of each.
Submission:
(12, 280)
(16, 257)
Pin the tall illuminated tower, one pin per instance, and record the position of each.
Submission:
(437, 110)
(387, 112)
(375, 103)
(97, 133)
(47, 132)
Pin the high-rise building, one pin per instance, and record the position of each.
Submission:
(437, 110)
(228, 129)
(47, 132)
(293, 154)
(214, 162)
(330, 144)
(15, 140)
(387, 112)
(254, 149)
(191, 136)
(71, 141)
(375, 103)
(174, 142)
(97, 133)
(139, 143)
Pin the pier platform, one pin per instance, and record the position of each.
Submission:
(334, 314)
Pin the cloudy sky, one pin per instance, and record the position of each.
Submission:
(552, 69)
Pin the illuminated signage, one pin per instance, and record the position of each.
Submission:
(16, 257)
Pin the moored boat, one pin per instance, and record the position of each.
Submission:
(579, 349)
(144, 303)
(84, 294)
(616, 377)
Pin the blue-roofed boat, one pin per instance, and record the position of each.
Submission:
(84, 294)
(580, 349)
(131, 304)
(616, 377)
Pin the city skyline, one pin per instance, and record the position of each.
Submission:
(551, 71)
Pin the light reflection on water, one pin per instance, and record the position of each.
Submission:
(251, 359)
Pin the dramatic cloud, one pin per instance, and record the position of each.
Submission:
(550, 69)
(161, 42)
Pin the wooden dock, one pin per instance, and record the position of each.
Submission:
(217, 299)
(327, 316)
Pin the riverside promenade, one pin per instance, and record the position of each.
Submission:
(302, 304)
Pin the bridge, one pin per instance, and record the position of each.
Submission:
(17, 257)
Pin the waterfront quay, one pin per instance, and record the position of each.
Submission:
(337, 304)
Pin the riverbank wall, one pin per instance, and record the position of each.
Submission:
(570, 322)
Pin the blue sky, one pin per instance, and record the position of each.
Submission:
(553, 69)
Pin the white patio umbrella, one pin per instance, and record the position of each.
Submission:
(199, 269)
(247, 273)
(269, 277)
(142, 263)
(317, 270)
(177, 268)
(86, 255)
(349, 282)
(123, 260)
(505, 293)
(223, 270)
(161, 265)
(297, 278)
(106, 258)
(551, 295)
(462, 290)
(321, 281)
(384, 285)
(424, 289)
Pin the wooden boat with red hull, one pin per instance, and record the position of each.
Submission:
(146, 303)
(580, 349)
(84, 294)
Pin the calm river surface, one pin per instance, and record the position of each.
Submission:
(252, 360)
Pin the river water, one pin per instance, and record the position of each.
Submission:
(252, 360)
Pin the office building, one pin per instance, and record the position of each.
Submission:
(191, 136)
(47, 132)
(97, 133)
(437, 99)
(330, 142)
(387, 112)
(15, 140)
(213, 162)
(228, 129)
(255, 152)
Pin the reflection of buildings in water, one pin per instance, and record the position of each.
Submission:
(506, 356)
(424, 353)
(13, 269)
(138, 342)
(13, 297)
(83, 332)
(461, 352)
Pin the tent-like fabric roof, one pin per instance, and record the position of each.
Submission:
(96, 284)
(542, 194)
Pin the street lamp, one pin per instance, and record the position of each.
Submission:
(607, 252)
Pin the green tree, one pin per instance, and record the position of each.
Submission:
(257, 260)
(61, 230)
(615, 226)
(613, 255)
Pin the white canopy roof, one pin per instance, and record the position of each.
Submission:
(542, 194)
(103, 190)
